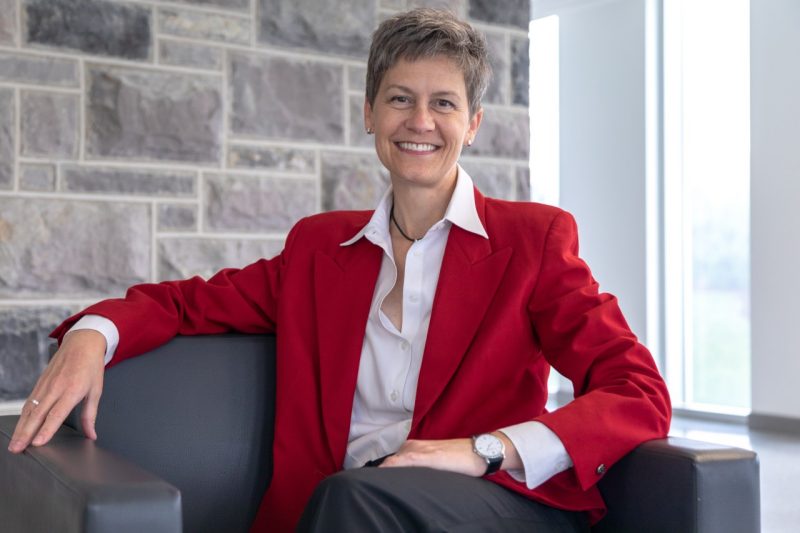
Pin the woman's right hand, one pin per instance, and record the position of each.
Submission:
(74, 374)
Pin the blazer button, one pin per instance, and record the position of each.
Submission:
(601, 470)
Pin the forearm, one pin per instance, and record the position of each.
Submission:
(151, 314)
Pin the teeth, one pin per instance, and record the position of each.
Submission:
(414, 147)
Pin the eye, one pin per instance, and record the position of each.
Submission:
(400, 99)
(441, 103)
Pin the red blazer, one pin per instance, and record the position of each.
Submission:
(505, 310)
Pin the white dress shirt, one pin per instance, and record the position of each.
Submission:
(390, 358)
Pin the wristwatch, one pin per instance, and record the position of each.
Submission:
(490, 449)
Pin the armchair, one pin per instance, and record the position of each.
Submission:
(185, 441)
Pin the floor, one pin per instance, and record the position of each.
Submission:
(779, 458)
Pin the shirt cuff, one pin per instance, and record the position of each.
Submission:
(105, 327)
(542, 452)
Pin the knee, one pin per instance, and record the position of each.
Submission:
(341, 502)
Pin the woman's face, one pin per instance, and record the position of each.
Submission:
(421, 121)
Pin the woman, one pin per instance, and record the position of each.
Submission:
(417, 338)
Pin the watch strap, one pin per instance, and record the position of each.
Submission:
(493, 464)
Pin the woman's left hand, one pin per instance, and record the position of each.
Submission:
(454, 455)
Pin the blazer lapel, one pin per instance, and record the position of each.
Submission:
(343, 288)
(470, 274)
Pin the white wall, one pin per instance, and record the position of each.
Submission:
(603, 163)
(775, 206)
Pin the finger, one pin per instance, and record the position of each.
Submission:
(389, 462)
(55, 417)
(30, 421)
(89, 412)
(403, 459)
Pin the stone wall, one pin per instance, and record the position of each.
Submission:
(145, 140)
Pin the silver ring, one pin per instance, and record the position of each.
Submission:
(35, 402)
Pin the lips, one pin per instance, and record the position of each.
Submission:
(417, 147)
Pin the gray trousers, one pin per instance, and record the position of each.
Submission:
(388, 500)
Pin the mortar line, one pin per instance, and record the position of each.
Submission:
(82, 111)
(16, 102)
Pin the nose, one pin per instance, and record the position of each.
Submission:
(420, 119)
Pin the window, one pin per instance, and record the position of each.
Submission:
(706, 202)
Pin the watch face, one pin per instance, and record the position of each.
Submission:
(489, 446)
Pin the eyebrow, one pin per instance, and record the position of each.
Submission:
(449, 94)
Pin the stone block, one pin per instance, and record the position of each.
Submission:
(58, 248)
(358, 134)
(503, 133)
(177, 217)
(40, 177)
(207, 26)
(510, 12)
(393, 4)
(26, 68)
(7, 136)
(112, 180)
(352, 181)
(239, 5)
(492, 179)
(497, 92)
(181, 258)
(144, 114)
(343, 27)
(90, 26)
(49, 124)
(276, 158)
(280, 98)
(357, 79)
(25, 346)
(189, 55)
(524, 184)
(459, 7)
(8, 22)
(520, 70)
(257, 203)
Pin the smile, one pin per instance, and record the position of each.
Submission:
(414, 147)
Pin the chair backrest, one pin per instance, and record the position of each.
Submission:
(198, 412)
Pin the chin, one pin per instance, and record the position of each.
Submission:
(423, 179)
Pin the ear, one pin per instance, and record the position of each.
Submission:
(474, 124)
(368, 124)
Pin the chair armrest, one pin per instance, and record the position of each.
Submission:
(682, 485)
(72, 485)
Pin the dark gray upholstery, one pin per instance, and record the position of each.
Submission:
(73, 486)
(197, 413)
(682, 485)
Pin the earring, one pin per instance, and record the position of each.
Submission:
(369, 131)
(469, 143)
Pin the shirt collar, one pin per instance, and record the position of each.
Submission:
(461, 211)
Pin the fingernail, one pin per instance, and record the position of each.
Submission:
(38, 441)
(13, 446)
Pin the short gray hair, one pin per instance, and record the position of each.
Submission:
(426, 33)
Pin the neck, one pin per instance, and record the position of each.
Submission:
(416, 208)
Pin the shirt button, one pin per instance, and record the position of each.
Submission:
(413, 297)
(403, 345)
(601, 470)
(417, 253)
(393, 395)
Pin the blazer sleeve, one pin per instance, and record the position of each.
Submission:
(150, 314)
(620, 398)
